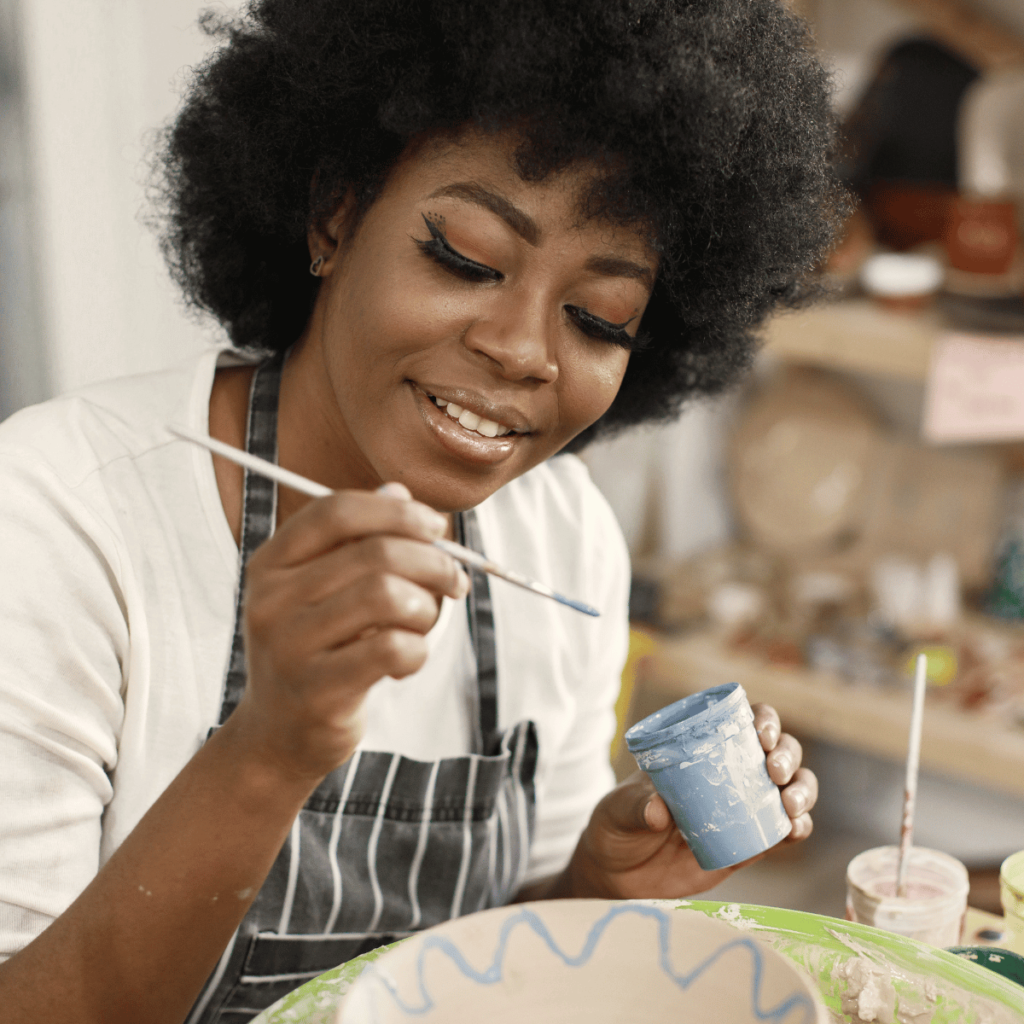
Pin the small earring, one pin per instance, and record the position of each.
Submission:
(314, 267)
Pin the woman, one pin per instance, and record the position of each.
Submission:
(470, 236)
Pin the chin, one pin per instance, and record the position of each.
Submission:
(451, 492)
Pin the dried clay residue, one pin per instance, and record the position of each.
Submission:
(869, 993)
(732, 914)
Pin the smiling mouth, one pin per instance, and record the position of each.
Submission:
(470, 421)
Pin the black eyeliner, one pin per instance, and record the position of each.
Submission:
(605, 331)
(439, 249)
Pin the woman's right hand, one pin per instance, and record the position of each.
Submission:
(341, 596)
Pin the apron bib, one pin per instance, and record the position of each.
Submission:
(386, 845)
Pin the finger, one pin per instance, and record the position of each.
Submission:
(341, 517)
(389, 652)
(802, 828)
(801, 794)
(784, 759)
(380, 602)
(767, 724)
(423, 564)
(626, 807)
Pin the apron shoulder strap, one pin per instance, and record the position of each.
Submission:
(481, 631)
(259, 508)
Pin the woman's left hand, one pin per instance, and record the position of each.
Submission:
(631, 849)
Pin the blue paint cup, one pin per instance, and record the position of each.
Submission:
(705, 759)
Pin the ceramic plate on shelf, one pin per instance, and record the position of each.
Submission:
(585, 961)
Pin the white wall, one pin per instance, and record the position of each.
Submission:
(98, 76)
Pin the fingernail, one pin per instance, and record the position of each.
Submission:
(463, 586)
(783, 762)
(799, 802)
(395, 490)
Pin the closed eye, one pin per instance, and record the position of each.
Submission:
(603, 330)
(439, 249)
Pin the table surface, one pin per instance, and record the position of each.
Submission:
(977, 922)
(961, 744)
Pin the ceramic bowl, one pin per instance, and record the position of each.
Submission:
(581, 961)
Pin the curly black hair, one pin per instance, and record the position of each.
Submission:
(712, 117)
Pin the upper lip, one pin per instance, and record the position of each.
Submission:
(503, 415)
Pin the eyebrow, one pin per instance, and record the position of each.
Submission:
(528, 229)
(522, 224)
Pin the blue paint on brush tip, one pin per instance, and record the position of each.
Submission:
(578, 605)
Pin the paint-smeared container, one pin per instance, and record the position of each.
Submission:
(705, 759)
(936, 901)
(1011, 895)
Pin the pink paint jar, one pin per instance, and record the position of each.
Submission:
(936, 901)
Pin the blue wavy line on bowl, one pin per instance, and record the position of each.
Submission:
(493, 974)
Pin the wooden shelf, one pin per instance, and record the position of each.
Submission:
(818, 705)
(857, 334)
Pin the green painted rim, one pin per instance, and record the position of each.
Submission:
(792, 932)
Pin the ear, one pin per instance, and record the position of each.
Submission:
(327, 235)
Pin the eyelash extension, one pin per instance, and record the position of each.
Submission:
(438, 248)
(595, 327)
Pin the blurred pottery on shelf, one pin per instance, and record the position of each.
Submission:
(906, 215)
(982, 235)
(800, 462)
(901, 281)
(818, 483)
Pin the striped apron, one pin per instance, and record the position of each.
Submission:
(386, 845)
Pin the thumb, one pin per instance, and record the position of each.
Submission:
(656, 814)
(634, 806)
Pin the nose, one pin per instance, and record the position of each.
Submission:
(516, 335)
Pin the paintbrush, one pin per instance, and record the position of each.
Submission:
(466, 556)
(913, 763)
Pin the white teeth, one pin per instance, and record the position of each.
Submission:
(471, 421)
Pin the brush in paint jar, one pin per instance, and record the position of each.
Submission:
(303, 485)
(913, 765)
(907, 889)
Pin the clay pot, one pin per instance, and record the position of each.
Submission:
(907, 215)
(982, 235)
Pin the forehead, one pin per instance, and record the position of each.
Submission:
(481, 168)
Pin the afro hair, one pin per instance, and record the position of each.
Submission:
(713, 117)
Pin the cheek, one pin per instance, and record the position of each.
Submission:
(592, 380)
(384, 317)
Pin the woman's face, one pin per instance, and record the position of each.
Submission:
(472, 325)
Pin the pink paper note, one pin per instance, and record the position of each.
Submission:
(975, 389)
